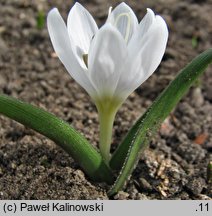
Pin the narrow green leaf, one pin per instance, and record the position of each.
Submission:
(41, 20)
(209, 172)
(194, 42)
(125, 156)
(61, 133)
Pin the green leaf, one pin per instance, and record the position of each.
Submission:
(209, 172)
(41, 20)
(194, 42)
(61, 133)
(138, 137)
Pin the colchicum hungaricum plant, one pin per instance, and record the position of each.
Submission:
(109, 63)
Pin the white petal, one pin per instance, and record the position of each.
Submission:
(110, 10)
(138, 38)
(62, 46)
(144, 62)
(105, 60)
(81, 28)
(124, 19)
(146, 22)
(153, 49)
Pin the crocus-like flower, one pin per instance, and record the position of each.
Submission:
(110, 62)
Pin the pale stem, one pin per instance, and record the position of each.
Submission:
(106, 119)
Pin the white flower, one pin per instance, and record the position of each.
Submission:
(122, 54)
(110, 62)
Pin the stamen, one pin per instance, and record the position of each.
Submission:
(85, 59)
(127, 32)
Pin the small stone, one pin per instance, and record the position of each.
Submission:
(144, 185)
(1, 172)
(184, 195)
(208, 90)
(79, 174)
(3, 47)
(166, 128)
(3, 81)
(39, 67)
(141, 197)
(197, 97)
(121, 195)
(13, 166)
(209, 172)
(203, 197)
(196, 185)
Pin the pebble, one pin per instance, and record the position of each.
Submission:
(3, 47)
(1, 172)
(196, 185)
(141, 196)
(208, 95)
(197, 97)
(203, 197)
(144, 185)
(121, 195)
(209, 172)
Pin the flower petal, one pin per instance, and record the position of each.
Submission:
(154, 47)
(105, 60)
(145, 56)
(62, 46)
(138, 38)
(146, 22)
(81, 28)
(124, 19)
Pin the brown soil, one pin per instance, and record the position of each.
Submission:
(174, 167)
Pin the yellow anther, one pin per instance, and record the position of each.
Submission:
(127, 32)
(85, 59)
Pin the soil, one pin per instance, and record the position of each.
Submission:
(175, 165)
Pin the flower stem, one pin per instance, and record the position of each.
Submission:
(106, 119)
